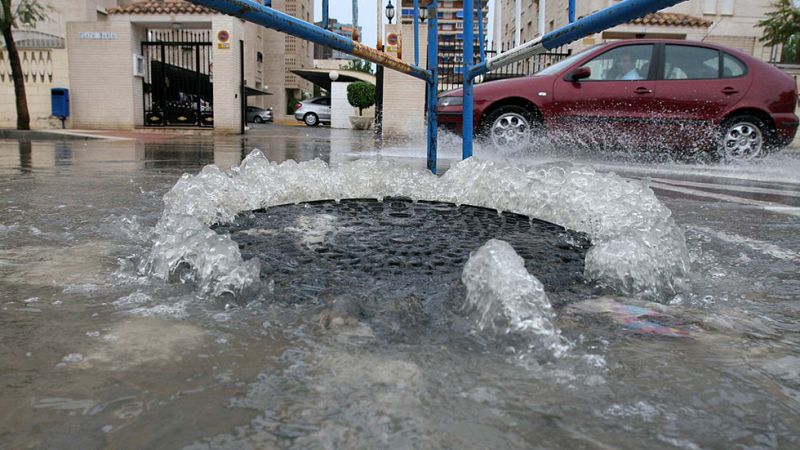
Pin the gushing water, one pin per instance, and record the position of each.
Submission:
(637, 248)
(510, 302)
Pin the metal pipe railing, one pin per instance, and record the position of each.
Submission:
(432, 97)
(622, 12)
(276, 20)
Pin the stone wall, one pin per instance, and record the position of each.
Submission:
(44, 69)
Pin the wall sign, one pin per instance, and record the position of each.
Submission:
(393, 46)
(223, 39)
(98, 35)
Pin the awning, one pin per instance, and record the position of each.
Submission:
(250, 92)
(322, 78)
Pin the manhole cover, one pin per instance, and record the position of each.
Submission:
(396, 248)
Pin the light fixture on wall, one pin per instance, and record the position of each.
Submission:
(423, 13)
(390, 11)
(333, 75)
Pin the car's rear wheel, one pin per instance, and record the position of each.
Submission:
(743, 138)
(311, 119)
(258, 119)
(510, 127)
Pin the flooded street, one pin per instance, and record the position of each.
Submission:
(120, 328)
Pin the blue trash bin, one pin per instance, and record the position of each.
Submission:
(60, 102)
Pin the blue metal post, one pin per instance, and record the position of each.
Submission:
(480, 30)
(276, 20)
(571, 11)
(469, 61)
(325, 14)
(433, 83)
(416, 31)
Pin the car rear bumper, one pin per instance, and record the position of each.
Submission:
(298, 116)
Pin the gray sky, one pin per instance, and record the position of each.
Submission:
(341, 10)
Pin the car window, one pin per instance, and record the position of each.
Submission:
(626, 63)
(326, 101)
(732, 67)
(684, 62)
(563, 63)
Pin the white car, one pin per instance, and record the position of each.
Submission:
(313, 111)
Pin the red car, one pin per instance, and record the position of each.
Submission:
(675, 93)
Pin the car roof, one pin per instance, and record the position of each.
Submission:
(734, 51)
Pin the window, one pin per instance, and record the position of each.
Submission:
(630, 62)
(721, 7)
(732, 67)
(683, 62)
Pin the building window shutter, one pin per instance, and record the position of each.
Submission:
(726, 7)
(709, 6)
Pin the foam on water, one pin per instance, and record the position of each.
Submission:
(509, 301)
(637, 248)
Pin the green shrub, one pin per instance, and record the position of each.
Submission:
(361, 95)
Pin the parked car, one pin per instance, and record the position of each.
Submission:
(676, 93)
(313, 111)
(258, 115)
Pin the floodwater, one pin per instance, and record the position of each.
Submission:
(98, 352)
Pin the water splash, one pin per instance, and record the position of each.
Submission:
(637, 248)
(509, 302)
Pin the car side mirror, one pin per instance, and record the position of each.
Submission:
(580, 73)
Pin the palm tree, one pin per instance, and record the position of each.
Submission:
(782, 27)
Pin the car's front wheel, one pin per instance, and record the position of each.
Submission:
(743, 138)
(510, 127)
(258, 119)
(311, 119)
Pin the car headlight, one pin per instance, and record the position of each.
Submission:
(451, 100)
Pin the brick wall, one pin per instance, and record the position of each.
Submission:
(403, 95)
(101, 76)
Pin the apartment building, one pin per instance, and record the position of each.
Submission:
(131, 63)
(451, 32)
(728, 22)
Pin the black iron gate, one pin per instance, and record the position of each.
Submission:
(451, 63)
(178, 77)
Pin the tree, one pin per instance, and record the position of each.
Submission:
(358, 65)
(782, 27)
(361, 95)
(26, 14)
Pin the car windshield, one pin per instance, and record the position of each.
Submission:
(564, 62)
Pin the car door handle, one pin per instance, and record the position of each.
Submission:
(729, 90)
(643, 90)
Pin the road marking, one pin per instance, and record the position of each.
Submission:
(769, 206)
(729, 187)
(760, 246)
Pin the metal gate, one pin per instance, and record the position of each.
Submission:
(178, 77)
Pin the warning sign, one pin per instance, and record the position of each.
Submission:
(223, 39)
(393, 46)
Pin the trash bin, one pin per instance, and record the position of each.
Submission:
(60, 102)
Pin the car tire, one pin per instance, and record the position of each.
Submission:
(743, 138)
(258, 119)
(311, 119)
(509, 127)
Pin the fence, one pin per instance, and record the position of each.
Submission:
(451, 63)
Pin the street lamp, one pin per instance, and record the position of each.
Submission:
(390, 12)
(423, 13)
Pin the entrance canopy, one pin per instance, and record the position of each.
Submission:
(322, 78)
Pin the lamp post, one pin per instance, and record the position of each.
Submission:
(390, 12)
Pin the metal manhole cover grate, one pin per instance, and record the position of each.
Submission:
(397, 247)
